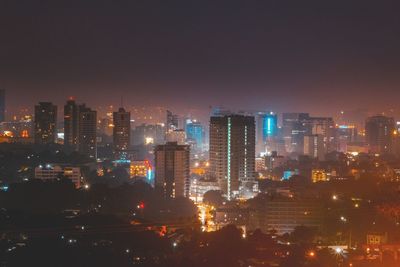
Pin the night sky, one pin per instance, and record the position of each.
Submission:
(316, 56)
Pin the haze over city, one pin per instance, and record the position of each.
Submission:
(283, 56)
(199, 133)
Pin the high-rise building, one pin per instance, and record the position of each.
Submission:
(121, 130)
(293, 130)
(2, 105)
(45, 123)
(379, 133)
(87, 137)
(195, 134)
(172, 171)
(172, 121)
(266, 131)
(71, 130)
(232, 154)
(324, 127)
(314, 146)
(296, 126)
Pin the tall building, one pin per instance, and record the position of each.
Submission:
(232, 154)
(2, 105)
(87, 137)
(172, 121)
(71, 130)
(266, 131)
(45, 123)
(379, 133)
(314, 146)
(293, 130)
(121, 130)
(324, 127)
(172, 171)
(195, 134)
(296, 126)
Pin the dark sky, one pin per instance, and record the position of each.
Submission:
(317, 56)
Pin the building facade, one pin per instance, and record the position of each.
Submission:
(45, 123)
(232, 154)
(172, 169)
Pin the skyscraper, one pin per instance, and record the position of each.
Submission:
(314, 146)
(2, 105)
(45, 123)
(172, 171)
(379, 132)
(293, 130)
(195, 134)
(121, 131)
(232, 154)
(266, 130)
(87, 137)
(172, 121)
(71, 129)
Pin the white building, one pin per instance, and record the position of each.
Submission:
(50, 172)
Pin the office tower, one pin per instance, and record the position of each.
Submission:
(293, 130)
(121, 130)
(379, 133)
(87, 137)
(266, 131)
(195, 135)
(177, 135)
(172, 121)
(2, 105)
(232, 154)
(325, 127)
(346, 134)
(45, 123)
(71, 129)
(314, 146)
(172, 171)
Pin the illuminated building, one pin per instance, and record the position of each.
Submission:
(141, 169)
(172, 121)
(50, 172)
(195, 134)
(318, 175)
(199, 187)
(21, 129)
(178, 136)
(314, 146)
(87, 136)
(266, 130)
(172, 169)
(379, 133)
(45, 123)
(232, 154)
(2, 105)
(121, 131)
(71, 130)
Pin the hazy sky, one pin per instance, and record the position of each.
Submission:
(316, 56)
